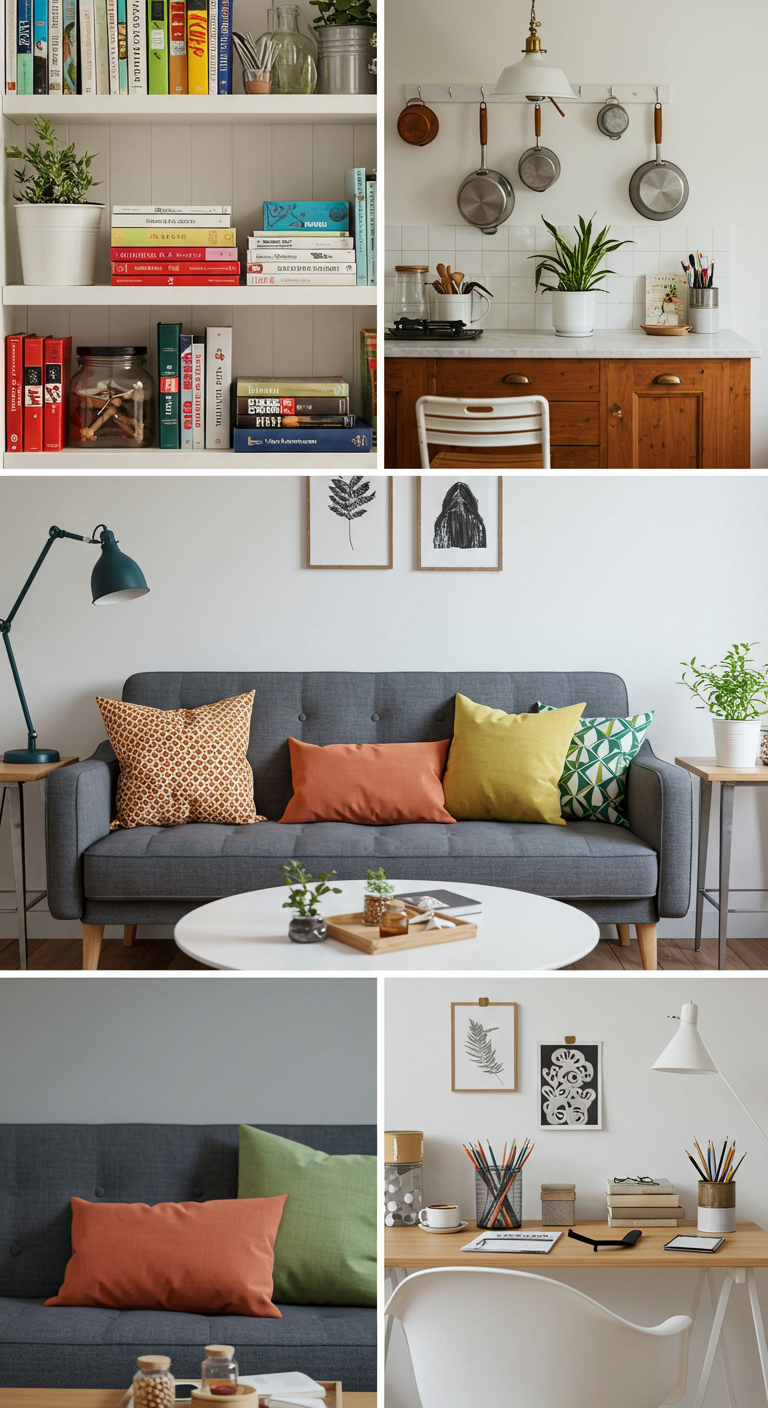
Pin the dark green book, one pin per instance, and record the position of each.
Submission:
(169, 373)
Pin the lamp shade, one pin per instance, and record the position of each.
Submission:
(115, 577)
(686, 1053)
(532, 78)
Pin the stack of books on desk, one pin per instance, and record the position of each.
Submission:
(643, 1204)
(300, 413)
(302, 243)
(167, 246)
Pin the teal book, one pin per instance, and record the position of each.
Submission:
(122, 44)
(169, 373)
(354, 192)
(157, 38)
(370, 220)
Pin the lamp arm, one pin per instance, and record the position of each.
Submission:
(53, 534)
(743, 1106)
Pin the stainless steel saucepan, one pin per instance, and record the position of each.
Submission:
(539, 167)
(659, 189)
(486, 198)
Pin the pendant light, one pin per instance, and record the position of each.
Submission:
(531, 77)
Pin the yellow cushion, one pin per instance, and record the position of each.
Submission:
(507, 767)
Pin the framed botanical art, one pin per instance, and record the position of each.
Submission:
(459, 523)
(349, 520)
(571, 1085)
(483, 1046)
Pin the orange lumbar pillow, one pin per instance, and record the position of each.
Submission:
(180, 765)
(371, 784)
(205, 1258)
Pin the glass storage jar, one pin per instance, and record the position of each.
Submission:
(410, 299)
(403, 1161)
(219, 1372)
(295, 65)
(112, 399)
(394, 919)
(153, 1385)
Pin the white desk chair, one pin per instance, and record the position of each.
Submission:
(509, 1337)
(476, 433)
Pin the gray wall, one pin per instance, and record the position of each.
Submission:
(188, 1051)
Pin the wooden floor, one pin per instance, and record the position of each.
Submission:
(675, 955)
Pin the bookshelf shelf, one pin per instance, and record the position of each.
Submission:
(233, 108)
(103, 295)
(74, 461)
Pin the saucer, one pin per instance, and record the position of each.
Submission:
(443, 1231)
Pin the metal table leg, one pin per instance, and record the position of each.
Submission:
(726, 831)
(722, 1347)
(19, 867)
(757, 1319)
(732, 1275)
(705, 807)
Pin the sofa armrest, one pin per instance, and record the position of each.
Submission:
(79, 810)
(660, 812)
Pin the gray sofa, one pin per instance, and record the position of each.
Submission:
(154, 875)
(43, 1166)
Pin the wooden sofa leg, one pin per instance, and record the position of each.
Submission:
(92, 937)
(646, 937)
(623, 935)
(129, 934)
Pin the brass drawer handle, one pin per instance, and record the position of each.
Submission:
(617, 411)
(667, 380)
(516, 379)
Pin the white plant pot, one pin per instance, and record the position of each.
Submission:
(736, 742)
(58, 243)
(573, 314)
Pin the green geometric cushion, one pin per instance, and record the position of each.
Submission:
(600, 752)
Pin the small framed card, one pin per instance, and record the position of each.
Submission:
(666, 299)
(570, 1085)
(349, 520)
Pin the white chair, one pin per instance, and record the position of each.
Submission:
(495, 1337)
(476, 433)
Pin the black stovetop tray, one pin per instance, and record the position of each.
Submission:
(432, 332)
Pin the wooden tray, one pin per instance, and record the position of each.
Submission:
(665, 329)
(350, 929)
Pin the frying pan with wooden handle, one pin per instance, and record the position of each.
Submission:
(659, 189)
(486, 198)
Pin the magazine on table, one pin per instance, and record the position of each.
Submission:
(529, 1242)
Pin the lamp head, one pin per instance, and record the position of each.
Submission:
(532, 77)
(116, 577)
(686, 1053)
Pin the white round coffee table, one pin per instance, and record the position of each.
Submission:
(515, 931)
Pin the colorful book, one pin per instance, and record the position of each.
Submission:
(368, 364)
(173, 281)
(197, 46)
(171, 210)
(291, 405)
(157, 56)
(322, 271)
(224, 74)
(321, 258)
(39, 46)
(198, 393)
(213, 45)
(58, 356)
(168, 336)
(11, 41)
(87, 47)
(55, 45)
(101, 42)
(307, 215)
(354, 190)
(33, 393)
(370, 218)
(218, 362)
(112, 48)
(298, 386)
(14, 393)
(69, 47)
(122, 46)
(137, 47)
(177, 221)
(277, 422)
(177, 47)
(326, 440)
(199, 254)
(186, 268)
(300, 245)
(225, 239)
(186, 413)
(24, 49)
(283, 280)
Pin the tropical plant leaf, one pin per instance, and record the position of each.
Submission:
(349, 499)
(481, 1051)
(576, 267)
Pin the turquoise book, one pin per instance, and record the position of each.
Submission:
(354, 190)
(370, 218)
(169, 373)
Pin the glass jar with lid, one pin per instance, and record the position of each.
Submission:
(218, 1375)
(112, 399)
(153, 1383)
(394, 919)
(410, 299)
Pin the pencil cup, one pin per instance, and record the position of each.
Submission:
(496, 1208)
(704, 309)
(717, 1207)
(257, 80)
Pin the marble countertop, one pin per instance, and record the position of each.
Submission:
(602, 344)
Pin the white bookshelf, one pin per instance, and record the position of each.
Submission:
(240, 108)
(84, 461)
(104, 296)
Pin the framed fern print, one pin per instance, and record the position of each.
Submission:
(484, 1047)
(349, 520)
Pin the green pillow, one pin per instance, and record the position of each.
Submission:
(592, 786)
(325, 1250)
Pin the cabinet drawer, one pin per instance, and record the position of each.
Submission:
(574, 422)
(557, 380)
(670, 377)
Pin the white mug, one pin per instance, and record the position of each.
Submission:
(440, 1215)
(459, 307)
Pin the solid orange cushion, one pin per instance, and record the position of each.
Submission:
(371, 784)
(206, 1258)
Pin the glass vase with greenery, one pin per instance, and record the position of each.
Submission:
(307, 925)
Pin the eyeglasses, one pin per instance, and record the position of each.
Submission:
(641, 1178)
(597, 1242)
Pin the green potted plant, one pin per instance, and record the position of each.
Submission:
(346, 46)
(735, 694)
(577, 273)
(304, 895)
(58, 226)
(377, 888)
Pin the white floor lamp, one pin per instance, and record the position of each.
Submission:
(686, 1055)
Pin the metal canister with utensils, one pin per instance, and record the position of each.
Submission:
(704, 309)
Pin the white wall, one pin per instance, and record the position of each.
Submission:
(160, 1049)
(630, 575)
(713, 62)
(648, 1121)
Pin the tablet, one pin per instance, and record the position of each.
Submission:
(693, 1243)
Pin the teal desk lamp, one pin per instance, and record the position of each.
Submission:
(115, 578)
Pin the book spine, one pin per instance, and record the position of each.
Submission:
(137, 48)
(171, 210)
(157, 60)
(323, 441)
(224, 70)
(24, 49)
(213, 45)
(197, 46)
(87, 48)
(368, 378)
(177, 50)
(291, 405)
(354, 190)
(283, 280)
(312, 216)
(243, 387)
(40, 46)
(218, 361)
(122, 47)
(171, 281)
(112, 50)
(370, 210)
(321, 271)
(647, 1222)
(55, 46)
(198, 393)
(168, 335)
(186, 415)
(203, 269)
(299, 248)
(224, 239)
(33, 393)
(14, 393)
(69, 47)
(101, 44)
(11, 41)
(176, 222)
(58, 351)
(267, 422)
(195, 255)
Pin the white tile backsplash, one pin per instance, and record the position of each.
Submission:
(521, 237)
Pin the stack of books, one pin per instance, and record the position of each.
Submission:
(36, 392)
(189, 246)
(643, 1204)
(194, 378)
(303, 413)
(368, 365)
(303, 243)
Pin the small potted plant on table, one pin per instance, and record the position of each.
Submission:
(577, 272)
(346, 46)
(58, 227)
(735, 695)
(306, 926)
(377, 889)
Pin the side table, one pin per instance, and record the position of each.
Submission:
(707, 771)
(13, 777)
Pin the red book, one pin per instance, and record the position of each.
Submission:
(14, 392)
(164, 271)
(33, 393)
(202, 281)
(58, 357)
(224, 255)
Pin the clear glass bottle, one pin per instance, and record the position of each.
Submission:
(410, 299)
(112, 399)
(219, 1372)
(153, 1383)
(295, 66)
(394, 919)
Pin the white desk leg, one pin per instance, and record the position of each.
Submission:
(732, 1275)
(396, 1275)
(723, 1348)
(759, 1327)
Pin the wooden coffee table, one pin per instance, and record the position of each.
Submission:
(109, 1398)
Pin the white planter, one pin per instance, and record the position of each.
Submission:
(58, 243)
(573, 314)
(736, 742)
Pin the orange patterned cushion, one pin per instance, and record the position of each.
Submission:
(180, 765)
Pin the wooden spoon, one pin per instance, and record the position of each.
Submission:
(441, 269)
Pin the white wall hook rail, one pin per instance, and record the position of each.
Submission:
(586, 93)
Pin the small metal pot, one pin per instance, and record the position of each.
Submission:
(346, 58)
(311, 930)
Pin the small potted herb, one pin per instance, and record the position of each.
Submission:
(346, 46)
(377, 888)
(735, 695)
(577, 273)
(304, 895)
(58, 226)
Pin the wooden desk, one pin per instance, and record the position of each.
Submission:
(707, 771)
(13, 777)
(110, 1397)
(407, 1248)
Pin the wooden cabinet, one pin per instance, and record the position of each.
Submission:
(610, 414)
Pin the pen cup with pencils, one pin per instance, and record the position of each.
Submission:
(717, 1207)
(499, 1198)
